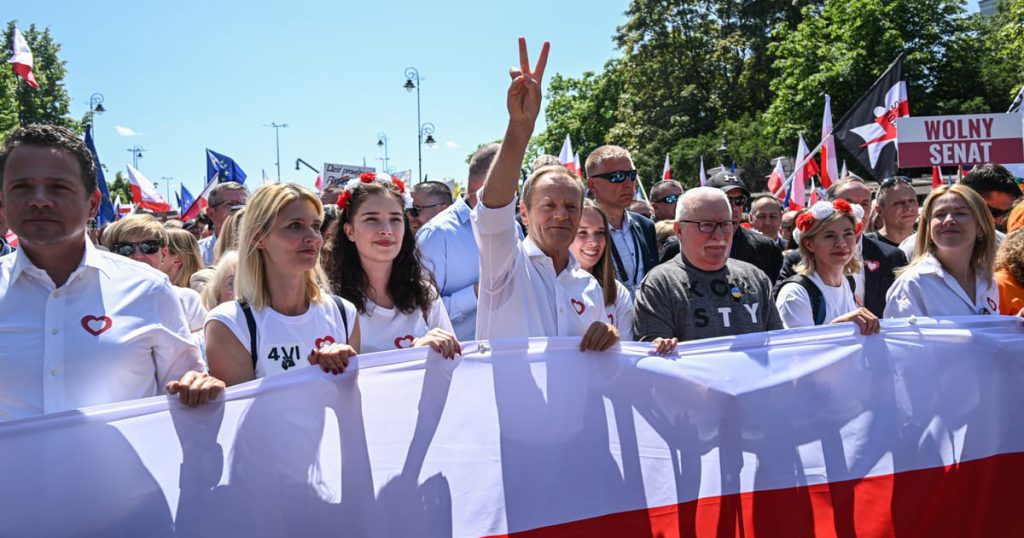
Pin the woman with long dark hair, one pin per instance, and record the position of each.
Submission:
(374, 264)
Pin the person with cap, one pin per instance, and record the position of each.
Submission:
(747, 245)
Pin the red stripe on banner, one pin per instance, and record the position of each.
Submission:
(976, 498)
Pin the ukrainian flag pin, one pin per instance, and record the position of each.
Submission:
(736, 292)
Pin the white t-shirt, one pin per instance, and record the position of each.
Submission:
(192, 304)
(926, 289)
(620, 313)
(384, 329)
(794, 303)
(284, 342)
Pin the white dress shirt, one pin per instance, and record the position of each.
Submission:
(620, 313)
(520, 293)
(926, 289)
(114, 331)
(206, 246)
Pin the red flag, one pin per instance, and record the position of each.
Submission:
(22, 59)
(666, 173)
(144, 194)
(868, 130)
(566, 157)
(776, 179)
(200, 203)
(936, 177)
(319, 184)
(829, 170)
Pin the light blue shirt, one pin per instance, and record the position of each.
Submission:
(449, 250)
(206, 245)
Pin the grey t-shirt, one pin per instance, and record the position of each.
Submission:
(681, 301)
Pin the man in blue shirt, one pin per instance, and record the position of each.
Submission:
(450, 251)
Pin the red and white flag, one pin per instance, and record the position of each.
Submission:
(937, 180)
(200, 203)
(703, 175)
(144, 194)
(11, 238)
(666, 172)
(22, 59)
(319, 183)
(566, 157)
(829, 170)
(777, 178)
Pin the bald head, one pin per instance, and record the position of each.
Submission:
(702, 197)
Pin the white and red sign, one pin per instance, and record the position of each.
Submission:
(915, 431)
(968, 139)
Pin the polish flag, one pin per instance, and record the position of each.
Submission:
(22, 59)
(809, 169)
(937, 177)
(814, 194)
(829, 170)
(200, 203)
(144, 194)
(11, 238)
(565, 157)
(776, 179)
(666, 172)
(703, 175)
(576, 161)
(318, 184)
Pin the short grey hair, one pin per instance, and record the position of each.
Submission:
(700, 196)
(214, 196)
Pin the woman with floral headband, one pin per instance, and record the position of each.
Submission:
(822, 291)
(374, 263)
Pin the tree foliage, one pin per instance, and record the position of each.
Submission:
(21, 104)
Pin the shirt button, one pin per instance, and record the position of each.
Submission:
(54, 331)
(56, 294)
(54, 372)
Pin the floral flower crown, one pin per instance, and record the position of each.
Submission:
(823, 210)
(391, 183)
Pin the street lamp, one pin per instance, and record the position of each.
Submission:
(382, 142)
(723, 151)
(427, 134)
(168, 181)
(412, 74)
(297, 161)
(277, 143)
(96, 103)
(136, 155)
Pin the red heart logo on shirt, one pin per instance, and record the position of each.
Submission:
(320, 342)
(580, 307)
(97, 325)
(872, 265)
(403, 342)
(992, 304)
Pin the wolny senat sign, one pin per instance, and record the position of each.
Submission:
(969, 139)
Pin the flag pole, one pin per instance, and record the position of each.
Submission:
(800, 165)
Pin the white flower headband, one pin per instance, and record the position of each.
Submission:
(823, 210)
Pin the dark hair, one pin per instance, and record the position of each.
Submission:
(52, 136)
(434, 188)
(331, 214)
(662, 185)
(481, 161)
(411, 286)
(991, 177)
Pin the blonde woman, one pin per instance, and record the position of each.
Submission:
(227, 236)
(822, 291)
(951, 272)
(280, 318)
(221, 287)
(183, 258)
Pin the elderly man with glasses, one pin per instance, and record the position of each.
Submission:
(747, 245)
(223, 199)
(703, 292)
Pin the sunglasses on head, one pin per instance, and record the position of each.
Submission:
(618, 176)
(145, 247)
(414, 211)
(670, 199)
(890, 181)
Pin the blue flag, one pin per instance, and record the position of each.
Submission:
(223, 168)
(106, 213)
(185, 200)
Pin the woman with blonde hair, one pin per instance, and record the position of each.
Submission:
(1009, 274)
(227, 236)
(280, 315)
(221, 287)
(951, 272)
(183, 258)
(823, 289)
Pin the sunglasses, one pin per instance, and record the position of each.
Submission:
(414, 211)
(146, 247)
(739, 200)
(618, 176)
(999, 213)
(890, 181)
(670, 199)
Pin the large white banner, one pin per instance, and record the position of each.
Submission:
(536, 435)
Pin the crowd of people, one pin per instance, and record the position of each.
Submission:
(283, 277)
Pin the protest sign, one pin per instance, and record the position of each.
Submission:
(970, 139)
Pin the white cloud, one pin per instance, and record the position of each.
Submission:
(451, 144)
(126, 131)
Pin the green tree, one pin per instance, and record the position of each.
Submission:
(120, 187)
(21, 104)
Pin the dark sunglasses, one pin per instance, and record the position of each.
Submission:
(146, 247)
(890, 181)
(739, 200)
(670, 199)
(999, 213)
(414, 211)
(618, 176)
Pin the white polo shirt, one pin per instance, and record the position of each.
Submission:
(926, 289)
(520, 294)
(114, 331)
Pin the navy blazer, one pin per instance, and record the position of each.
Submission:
(643, 230)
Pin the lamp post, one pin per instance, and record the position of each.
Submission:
(136, 155)
(412, 74)
(723, 152)
(382, 142)
(167, 182)
(277, 143)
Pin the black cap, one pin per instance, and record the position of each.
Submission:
(727, 182)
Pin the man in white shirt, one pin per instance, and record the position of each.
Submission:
(223, 197)
(81, 326)
(533, 287)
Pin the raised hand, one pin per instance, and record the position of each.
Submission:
(524, 94)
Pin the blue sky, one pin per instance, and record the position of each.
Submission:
(189, 75)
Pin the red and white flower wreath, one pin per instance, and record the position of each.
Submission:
(824, 210)
(388, 181)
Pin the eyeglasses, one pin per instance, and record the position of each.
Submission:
(414, 211)
(618, 176)
(146, 247)
(709, 226)
(999, 213)
(670, 199)
(890, 181)
(235, 205)
(739, 200)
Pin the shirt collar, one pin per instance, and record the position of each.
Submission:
(461, 210)
(627, 223)
(535, 253)
(91, 258)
